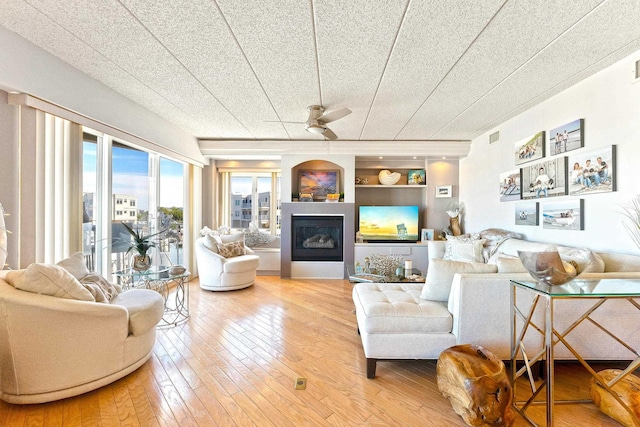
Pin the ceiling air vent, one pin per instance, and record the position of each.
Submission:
(494, 137)
(637, 72)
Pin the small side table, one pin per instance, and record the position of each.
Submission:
(176, 304)
(545, 296)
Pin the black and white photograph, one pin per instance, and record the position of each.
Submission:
(510, 185)
(567, 137)
(593, 171)
(527, 213)
(544, 179)
(563, 215)
(529, 149)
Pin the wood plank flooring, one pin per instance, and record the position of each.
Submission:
(235, 362)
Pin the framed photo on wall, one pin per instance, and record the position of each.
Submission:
(527, 213)
(567, 137)
(544, 179)
(444, 191)
(529, 149)
(563, 215)
(593, 171)
(319, 182)
(510, 185)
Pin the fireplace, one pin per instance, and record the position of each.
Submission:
(317, 237)
(343, 251)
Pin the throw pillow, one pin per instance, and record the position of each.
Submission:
(232, 249)
(101, 289)
(440, 275)
(210, 242)
(467, 249)
(75, 265)
(52, 280)
(510, 265)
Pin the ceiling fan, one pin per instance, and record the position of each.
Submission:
(316, 123)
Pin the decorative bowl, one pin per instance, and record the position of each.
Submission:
(386, 177)
(176, 270)
(547, 267)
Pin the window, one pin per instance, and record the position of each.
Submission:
(252, 200)
(170, 210)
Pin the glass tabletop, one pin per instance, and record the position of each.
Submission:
(586, 288)
(154, 270)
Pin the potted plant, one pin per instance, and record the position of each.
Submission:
(141, 244)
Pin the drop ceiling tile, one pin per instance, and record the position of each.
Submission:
(512, 38)
(23, 19)
(354, 42)
(433, 36)
(277, 39)
(590, 41)
(198, 36)
(130, 46)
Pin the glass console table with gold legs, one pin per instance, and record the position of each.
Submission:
(526, 315)
(173, 288)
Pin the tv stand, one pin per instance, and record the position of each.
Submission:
(416, 252)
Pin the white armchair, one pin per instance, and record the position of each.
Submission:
(218, 273)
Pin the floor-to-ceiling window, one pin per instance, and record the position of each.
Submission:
(171, 209)
(89, 191)
(142, 190)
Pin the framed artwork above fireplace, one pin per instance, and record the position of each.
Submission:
(319, 182)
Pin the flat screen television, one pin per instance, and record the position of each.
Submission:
(379, 224)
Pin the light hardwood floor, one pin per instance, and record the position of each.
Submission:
(236, 361)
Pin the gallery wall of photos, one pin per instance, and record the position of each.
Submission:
(556, 163)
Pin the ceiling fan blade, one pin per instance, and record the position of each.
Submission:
(334, 115)
(330, 135)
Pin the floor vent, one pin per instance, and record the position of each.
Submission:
(494, 137)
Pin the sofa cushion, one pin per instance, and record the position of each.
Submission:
(145, 308)
(398, 308)
(507, 264)
(440, 275)
(241, 264)
(75, 265)
(49, 279)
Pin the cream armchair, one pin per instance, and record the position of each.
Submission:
(52, 348)
(218, 273)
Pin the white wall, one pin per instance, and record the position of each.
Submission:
(610, 105)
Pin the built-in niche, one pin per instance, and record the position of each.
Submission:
(317, 177)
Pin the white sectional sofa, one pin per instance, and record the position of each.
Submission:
(396, 323)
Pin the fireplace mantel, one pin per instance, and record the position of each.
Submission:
(318, 208)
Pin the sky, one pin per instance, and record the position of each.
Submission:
(131, 176)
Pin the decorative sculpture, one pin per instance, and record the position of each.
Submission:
(386, 177)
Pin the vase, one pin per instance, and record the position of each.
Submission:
(3, 239)
(141, 263)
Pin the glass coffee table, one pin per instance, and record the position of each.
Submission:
(524, 320)
(360, 276)
(176, 303)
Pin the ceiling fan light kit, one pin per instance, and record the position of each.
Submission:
(316, 123)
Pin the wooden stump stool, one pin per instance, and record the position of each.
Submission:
(476, 383)
(628, 389)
